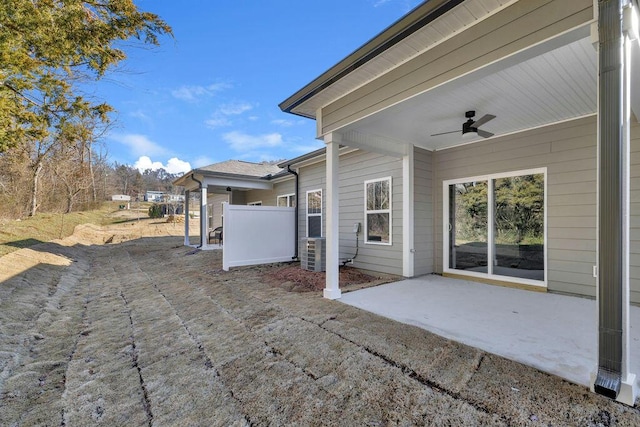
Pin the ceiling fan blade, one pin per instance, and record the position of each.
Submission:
(482, 120)
(445, 133)
(484, 133)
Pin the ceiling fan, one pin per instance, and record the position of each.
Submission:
(470, 127)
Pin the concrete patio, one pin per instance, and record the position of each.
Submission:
(554, 333)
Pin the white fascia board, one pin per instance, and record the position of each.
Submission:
(237, 183)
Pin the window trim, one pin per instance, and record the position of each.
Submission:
(490, 238)
(374, 211)
(307, 214)
(289, 196)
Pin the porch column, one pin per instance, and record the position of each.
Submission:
(203, 218)
(613, 378)
(332, 289)
(408, 251)
(187, 194)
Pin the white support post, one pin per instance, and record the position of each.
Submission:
(203, 218)
(187, 195)
(332, 289)
(408, 251)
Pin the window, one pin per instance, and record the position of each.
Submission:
(287, 201)
(258, 203)
(496, 226)
(377, 211)
(314, 213)
(210, 215)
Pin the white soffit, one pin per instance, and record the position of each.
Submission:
(452, 22)
(558, 85)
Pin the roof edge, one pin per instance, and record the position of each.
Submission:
(417, 18)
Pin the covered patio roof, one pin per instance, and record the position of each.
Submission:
(549, 82)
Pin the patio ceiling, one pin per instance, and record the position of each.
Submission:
(548, 84)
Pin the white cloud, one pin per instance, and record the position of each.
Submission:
(307, 148)
(139, 114)
(283, 122)
(234, 109)
(140, 145)
(203, 161)
(243, 142)
(144, 163)
(174, 165)
(192, 93)
(221, 117)
(217, 122)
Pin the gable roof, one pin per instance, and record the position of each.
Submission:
(241, 167)
(234, 169)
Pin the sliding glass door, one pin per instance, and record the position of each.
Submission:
(468, 227)
(496, 226)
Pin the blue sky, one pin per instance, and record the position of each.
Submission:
(211, 93)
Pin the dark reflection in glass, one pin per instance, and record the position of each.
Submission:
(468, 236)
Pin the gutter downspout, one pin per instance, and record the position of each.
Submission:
(201, 231)
(295, 240)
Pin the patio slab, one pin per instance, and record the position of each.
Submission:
(554, 333)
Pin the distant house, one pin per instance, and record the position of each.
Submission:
(154, 196)
(175, 198)
(121, 198)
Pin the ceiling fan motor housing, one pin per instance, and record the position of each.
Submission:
(468, 127)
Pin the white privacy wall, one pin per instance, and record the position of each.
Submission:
(257, 235)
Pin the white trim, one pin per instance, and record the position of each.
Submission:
(307, 214)
(289, 198)
(389, 210)
(332, 279)
(408, 214)
(445, 229)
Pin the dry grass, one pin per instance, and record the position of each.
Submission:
(44, 227)
(149, 332)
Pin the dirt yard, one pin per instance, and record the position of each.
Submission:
(124, 326)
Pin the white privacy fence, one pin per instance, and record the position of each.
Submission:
(257, 235)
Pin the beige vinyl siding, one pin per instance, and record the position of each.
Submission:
(356, 168)
(423, 212)
(310, 177)
(634, 221)
(514, 28)
(216, 200)
(568, 151)
(270, 197)
(238, 197)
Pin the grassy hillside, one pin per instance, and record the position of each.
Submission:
(44, 227)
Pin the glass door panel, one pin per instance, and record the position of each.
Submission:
(468, 230)
(519, 226)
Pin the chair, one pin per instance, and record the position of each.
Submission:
(216, 235)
